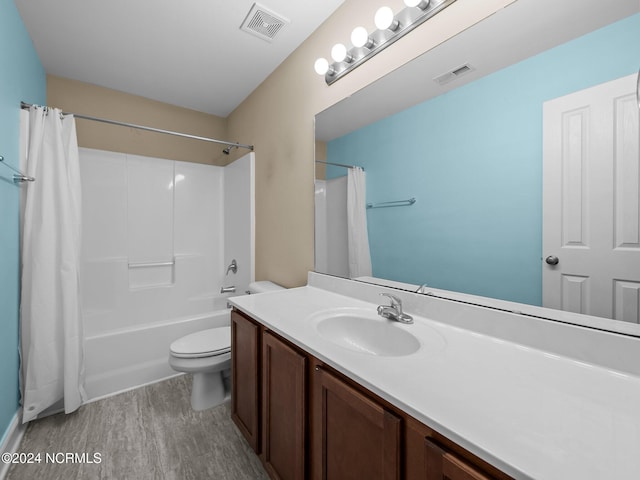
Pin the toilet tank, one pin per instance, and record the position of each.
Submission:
(263, 286)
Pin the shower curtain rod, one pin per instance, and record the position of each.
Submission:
(150, 129)
(340, 165)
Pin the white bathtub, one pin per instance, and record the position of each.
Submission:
(157, 239)
(131, 357)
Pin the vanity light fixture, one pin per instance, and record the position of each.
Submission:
(390, 28)
(339, 53)
(360, 38)
(421, 4)
(321, 66)
(384, 19)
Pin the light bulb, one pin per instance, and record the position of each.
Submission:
(422, 4)
(384, 18)
(359, 37)
(339, 52)
(321, 66)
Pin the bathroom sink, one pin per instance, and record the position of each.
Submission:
(366, 332)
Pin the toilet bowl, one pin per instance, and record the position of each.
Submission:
(207, 355)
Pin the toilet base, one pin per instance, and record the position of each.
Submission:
(210, 374)
(207, 390)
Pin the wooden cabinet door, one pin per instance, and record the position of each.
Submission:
(245, 377)
(284, 411)
(441, 464)
(354, 437)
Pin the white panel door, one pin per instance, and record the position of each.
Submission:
(591, 202)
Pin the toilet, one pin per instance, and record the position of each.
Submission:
(207, 355)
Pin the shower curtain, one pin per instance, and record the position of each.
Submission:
(51, 334)
(357, 236)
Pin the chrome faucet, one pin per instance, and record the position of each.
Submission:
(422, 289)
(233, 267)
(394, 311)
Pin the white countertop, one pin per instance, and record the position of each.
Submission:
(531, 413)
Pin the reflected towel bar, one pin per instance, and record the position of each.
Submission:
(152, 264)
(18, 177)
(395, 203)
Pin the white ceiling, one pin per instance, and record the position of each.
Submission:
(523, 29)
(189, 53)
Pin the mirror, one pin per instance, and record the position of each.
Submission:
(460, 129)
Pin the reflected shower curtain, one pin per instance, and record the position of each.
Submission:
(358, 238)
(50, 317)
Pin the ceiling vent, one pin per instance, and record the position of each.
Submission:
(453, 74)
(263, 23)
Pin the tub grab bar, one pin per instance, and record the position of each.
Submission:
(152, 264)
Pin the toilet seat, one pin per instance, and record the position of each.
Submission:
(206, 343)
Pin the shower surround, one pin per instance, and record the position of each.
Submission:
(158, 236)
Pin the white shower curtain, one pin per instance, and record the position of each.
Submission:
(358, 239)
(50, 317)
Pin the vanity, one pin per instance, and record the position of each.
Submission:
(324, 387)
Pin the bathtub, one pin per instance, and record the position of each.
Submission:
(128, 358)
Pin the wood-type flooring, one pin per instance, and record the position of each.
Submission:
(147, 433)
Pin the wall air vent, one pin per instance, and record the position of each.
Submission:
(453, 74)
(263, 23)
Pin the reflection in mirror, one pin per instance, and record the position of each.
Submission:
(504, 159)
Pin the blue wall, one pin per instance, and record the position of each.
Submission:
(473, 159)
(21, 78)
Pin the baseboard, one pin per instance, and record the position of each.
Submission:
(12, 440)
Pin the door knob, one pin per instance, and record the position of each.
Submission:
(552, 260)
